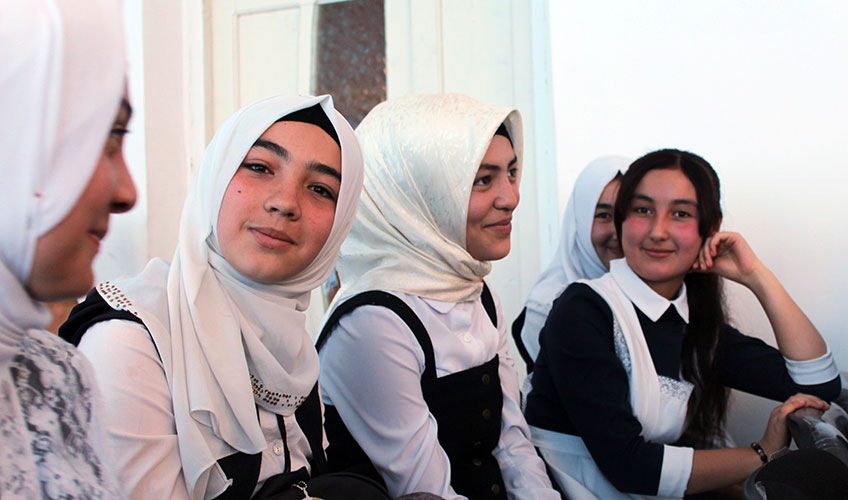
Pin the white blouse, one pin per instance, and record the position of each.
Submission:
(141, 419)
(371, 371)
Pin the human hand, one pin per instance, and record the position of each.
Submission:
(777, 436)
(728, 255)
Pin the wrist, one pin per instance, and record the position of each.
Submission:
(759, 280)
(761, 453)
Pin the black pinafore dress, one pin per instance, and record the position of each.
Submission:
(467, 406)
(243, 468)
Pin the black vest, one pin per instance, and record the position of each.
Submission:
(241, 467)
(467, 406)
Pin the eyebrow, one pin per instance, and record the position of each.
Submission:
(679, 201)
(324, 169)
(272, 147)
(493, 167)
(605, 206)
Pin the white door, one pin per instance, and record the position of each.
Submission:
(259, 48)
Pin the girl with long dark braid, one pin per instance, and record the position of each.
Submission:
(631, 384)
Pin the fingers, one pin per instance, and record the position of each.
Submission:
(709, 250)
(801, 400)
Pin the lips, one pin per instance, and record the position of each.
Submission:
(657, 253)
(98, 233)
(271, 238)
(503, 226)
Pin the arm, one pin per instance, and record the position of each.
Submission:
(750, 365)
(712, 469)
(522, 469)
(730, 256)
(371, 372)
(138, 410)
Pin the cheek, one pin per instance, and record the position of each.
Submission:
(319, 225)
(229, 213)
(689, 241)
(601, 233)
(633, 231)
(477, 207)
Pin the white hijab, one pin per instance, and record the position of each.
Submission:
(575, 256)
(422, 153)
(60, 88)
(228, 343)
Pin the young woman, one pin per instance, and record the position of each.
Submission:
(632, 379)
(205, 362)
(63, 174)
(434, 408)
(587, 244)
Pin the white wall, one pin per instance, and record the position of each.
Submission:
(756, 87)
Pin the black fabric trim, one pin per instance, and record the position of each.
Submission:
(89, 312)
(396, 305)
(489, 304)
(517, 326)
(310, 421)
(243, 469)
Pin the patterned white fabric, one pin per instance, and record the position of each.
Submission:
(60, 89)
(575, 256)
(195, 308)
(421, 153)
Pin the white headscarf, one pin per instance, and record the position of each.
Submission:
(196, 308)
(575, 256)
(60, 88)
(422, 153)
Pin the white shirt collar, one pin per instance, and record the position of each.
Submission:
(648, 301)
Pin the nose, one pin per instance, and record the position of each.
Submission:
(284, 199)
(659, 228)
(125, 195)
(507, 196)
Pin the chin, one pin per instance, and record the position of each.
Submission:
(63, 291)
(490, 253)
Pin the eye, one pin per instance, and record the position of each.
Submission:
(483, 181)
(513, 173)
(257, 168)
(641, 210)
(603, 215)
(683, 214)
(118, 132)
(323, 192)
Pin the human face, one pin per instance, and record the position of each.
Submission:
(279, 207)
(604, 239)
(61, 266)
(494, 196)
(659, 235)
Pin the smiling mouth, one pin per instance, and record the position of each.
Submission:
(502, 227)
(98, 233)
(657, 253)
(271, 238)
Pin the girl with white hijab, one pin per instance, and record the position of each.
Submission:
(60, 91)
(261, 227)
(434, 409)
(587, 244)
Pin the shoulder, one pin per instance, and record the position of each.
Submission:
(370, 324)
(580, 300)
